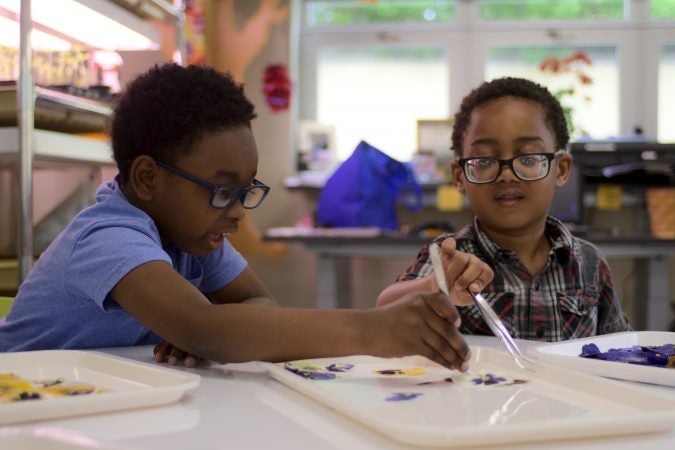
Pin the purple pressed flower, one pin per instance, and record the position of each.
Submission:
(339, 367)
(644, 355)
(403, 396)
(590, 351)
(310, 374)
(488, 379)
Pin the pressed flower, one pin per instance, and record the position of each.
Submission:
(657, 356)
(488, 379)
(310, 374)
(339, 367)
(411, 371)
(403, 396)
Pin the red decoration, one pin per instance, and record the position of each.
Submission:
(277, 87)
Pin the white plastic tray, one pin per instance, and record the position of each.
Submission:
(131, 384)
(48, 438)
(553, 404)
(566, 354)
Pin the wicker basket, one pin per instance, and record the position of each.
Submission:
(661, 207)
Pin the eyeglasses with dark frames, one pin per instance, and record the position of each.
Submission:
(224, 195)
(528, 167)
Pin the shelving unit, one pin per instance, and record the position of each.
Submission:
(23, 147)
(54, 147)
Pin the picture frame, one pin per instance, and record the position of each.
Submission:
(434, 136)
(316, 146)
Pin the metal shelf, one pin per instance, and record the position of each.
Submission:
(23, 145)
(151, 9)
(54, 147)
(56, 111)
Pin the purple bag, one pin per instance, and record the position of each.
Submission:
(364, 189)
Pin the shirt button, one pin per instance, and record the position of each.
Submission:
(535, 286)
(540, 333)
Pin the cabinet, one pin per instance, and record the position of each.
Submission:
(26, 145)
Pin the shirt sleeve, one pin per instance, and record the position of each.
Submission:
(104, 255)
(422, 265)
(221, 267)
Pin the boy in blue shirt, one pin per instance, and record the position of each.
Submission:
(150, 263)
(509, 138)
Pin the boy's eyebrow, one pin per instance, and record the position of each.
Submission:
(229, 174)
(518, 140)
(488, 141)
(523, 139)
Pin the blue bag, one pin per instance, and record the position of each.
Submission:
(364, 190)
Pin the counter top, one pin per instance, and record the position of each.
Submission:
(245, 408)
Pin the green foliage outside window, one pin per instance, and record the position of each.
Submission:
(349, 12)
(663, 9)
(552, 9)
(333, 12)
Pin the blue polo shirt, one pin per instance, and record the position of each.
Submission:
(65, 301)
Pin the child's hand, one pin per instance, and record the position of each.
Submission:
(165, 351)
(421, 324)
(464, 271)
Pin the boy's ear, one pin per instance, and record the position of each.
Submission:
(143, 177)
(457, 176)
(564, 169)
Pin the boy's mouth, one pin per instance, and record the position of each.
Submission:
(508, 197)
(216, 239)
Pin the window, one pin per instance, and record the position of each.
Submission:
(593, 106)
(666, 90)
(372, 69)
(350, 12)
(378, 93)
(663, 9)
(551, 9)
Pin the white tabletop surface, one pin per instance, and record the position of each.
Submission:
(246, 409)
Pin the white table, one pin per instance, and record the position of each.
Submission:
(240, 410)
(335, 255)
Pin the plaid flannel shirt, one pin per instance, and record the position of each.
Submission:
(571, 297)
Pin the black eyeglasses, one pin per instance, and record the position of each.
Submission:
(224, 195)
(529, 167)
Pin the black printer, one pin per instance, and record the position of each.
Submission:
(626, 163)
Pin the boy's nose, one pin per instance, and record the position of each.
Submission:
(506, 174)
(236, 211)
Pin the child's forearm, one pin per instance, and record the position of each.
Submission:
(417, 324)
(397, 290)
(261, 301)
(238, 332)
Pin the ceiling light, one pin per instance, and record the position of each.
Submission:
(9, 37)
(97, 23)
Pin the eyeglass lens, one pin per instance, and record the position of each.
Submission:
(526, 167)
(251, 196)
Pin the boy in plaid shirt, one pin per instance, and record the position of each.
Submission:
(546, 284)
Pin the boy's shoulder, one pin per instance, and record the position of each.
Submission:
(587, 249)
(111, 220)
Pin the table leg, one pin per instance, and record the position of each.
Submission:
(334, 287)
(659, 310)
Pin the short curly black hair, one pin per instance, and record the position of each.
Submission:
(165, 111)
(514, 87)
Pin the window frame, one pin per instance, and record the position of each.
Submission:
(637, 38)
